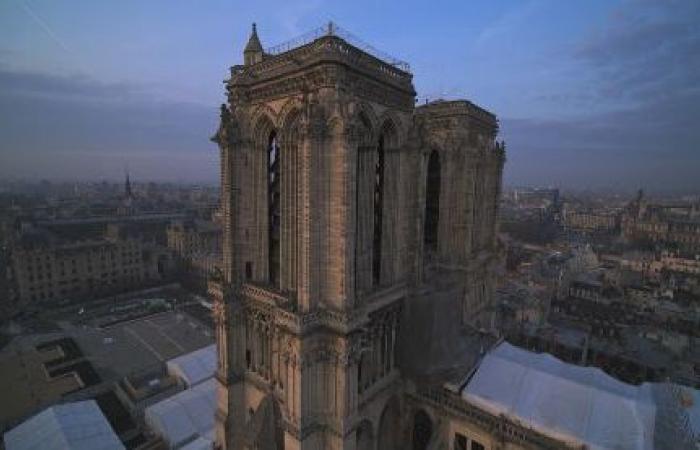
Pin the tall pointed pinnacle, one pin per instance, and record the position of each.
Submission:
(253, 52)
(127, 185)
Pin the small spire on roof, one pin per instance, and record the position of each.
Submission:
(253, 50)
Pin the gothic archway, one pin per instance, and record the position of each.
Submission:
(265, 429)
(432, 203)
(274, 202)
(364, 437)
(290, 142)
(378, 210)
(422, 430)
(364, 203)
(390, 426)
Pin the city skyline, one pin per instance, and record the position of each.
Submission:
(360, 272)
(601, 97)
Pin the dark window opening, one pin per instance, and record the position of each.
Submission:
(460, 442)
(477, 446)
(422, 430)
(247, 359)
(432, 202)
(378, 206)
(357, 223)
(274, 201)
(248, 270)
(359, 375)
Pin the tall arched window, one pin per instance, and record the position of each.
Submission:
(274, 201)
(389, 435)
(364, 436)
(432, 203)
(378, 206)
(361, 374)
(364, 203)
(422, 430)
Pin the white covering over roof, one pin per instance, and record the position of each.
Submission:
(579, 405)
(185, 417)
(75, 426)
(195, 367)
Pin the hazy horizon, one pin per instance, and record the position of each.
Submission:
(605, 95)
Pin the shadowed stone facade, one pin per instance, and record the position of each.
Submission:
(359, 255)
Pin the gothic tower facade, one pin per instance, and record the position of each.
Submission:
(347, 212)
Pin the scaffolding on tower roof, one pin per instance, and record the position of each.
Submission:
(331, 29)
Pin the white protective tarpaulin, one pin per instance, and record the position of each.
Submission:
(195, 367)
(580, 405)
(185, 416)
(75, 426)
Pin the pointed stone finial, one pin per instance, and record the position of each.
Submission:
(253, 52)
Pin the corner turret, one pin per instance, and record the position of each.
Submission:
(253, 52)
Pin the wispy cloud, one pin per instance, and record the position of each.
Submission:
(642, 97)
(291, 14)
(29, 10)
(78, 126)
(75, 88)
(646, 51)
(503, 26)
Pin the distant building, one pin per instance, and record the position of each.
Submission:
(536, 197)
(675, 262)
(47, 269)
(673, 225)
(149, 227)
(590, 221)
(197, 245)
(189, 238)
(127, 206)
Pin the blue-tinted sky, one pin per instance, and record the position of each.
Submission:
(589, 93)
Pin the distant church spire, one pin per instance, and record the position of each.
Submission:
(253, 52)
(127, 186)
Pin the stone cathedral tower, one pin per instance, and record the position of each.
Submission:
(356, 225)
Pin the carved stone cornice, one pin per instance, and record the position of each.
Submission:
(441, 109)
(326, 352)
(260, 302)
(264, 294)
(228, 133)
(309, 79)
(325, 49)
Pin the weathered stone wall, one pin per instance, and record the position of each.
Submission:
(312, 357)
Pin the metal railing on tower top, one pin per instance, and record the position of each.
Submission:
(331, 29)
